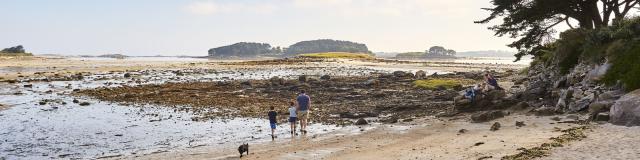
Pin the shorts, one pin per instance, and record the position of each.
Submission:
(273, 125)
(304, 115)
(293, 119)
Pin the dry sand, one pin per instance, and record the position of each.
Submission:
(429, 138)
(607, 141)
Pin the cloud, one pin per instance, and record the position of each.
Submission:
(212, 7)
(389, 7)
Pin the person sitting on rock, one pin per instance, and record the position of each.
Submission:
(491, 82)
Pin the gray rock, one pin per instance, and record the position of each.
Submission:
(602, 117)
(361, 121)
(495, 126)
(545, 111)
(302, 78)
(579, 105)
(562, 82)
(325, 77)
(421, 74)
(626, 110)
(371, 82)
(520, 124)
(486, 116)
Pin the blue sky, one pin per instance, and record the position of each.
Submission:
(191, 27)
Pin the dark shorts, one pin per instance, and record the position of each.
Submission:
(293, 119)
(273, 125)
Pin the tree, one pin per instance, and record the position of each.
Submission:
(532, 21)
(326, 45)
(16, 49)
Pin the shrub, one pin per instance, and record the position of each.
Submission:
(625, 66)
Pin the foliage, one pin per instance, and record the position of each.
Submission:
(338, 55)
(569, 48)
(326, 45)
(625, 67)
(439, 51)
(532, 21)
(447, 83)
(243, 49)
(16, 49)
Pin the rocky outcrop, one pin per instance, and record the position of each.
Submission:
(494, 99)
(486, 116)
(626, 110)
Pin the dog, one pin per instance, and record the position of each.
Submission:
(243, 148)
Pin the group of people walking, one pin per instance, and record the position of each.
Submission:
(298, 111)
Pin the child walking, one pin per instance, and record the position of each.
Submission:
(272, 121)
(293, 117)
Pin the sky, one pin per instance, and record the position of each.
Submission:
(191, 27)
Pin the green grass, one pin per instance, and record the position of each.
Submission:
(345, 55)
(448, 83)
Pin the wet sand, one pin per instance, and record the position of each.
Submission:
(428, 138)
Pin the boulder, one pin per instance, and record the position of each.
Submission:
(361, 121)
(486, 116)
(276, 80)
(520, 124)
(302, 78)
(579, 105)
(402, 74)
(602, 117)
(127, 75)
(325, 77)
(600, 106)
(495, 126)
(371, 82)
(421, 74)
(626, 110)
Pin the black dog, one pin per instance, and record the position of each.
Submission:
(243, 148)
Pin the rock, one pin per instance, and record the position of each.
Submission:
(28, 85)
(361, 121)
(275, 80)
(478, 143)
(371, 82)
(85, 104)
(42, 102)
(562, 82)
(520, 124)
(610, 95)
(573, 117)
(521, 106)
(302, 78)
(421, 74)
(401, 74)
(495, 94)
(391, 119)
(76, 101)
(565, 95)
(601, 106)
(486, 116)
(127, 75)
(579, 105)
(626, 110)
(602, 117)
(463, 131)
(407, 120)
(495, 126)
(556, 118)
(545, 111)
(325, 77)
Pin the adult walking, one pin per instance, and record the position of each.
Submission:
(304, 103)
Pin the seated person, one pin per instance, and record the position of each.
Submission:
(491, 82)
